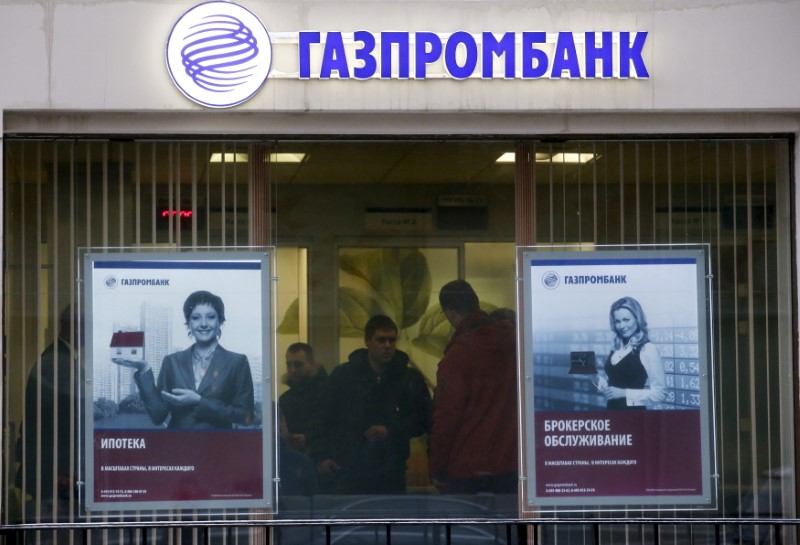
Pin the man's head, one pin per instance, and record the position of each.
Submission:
(458, 300)
(380, 337)
(299, 363)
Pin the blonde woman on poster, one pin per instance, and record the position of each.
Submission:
(636, 377)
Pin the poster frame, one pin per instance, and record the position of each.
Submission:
(255, 267)
(532, 499)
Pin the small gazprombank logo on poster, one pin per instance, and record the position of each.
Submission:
(551, 280)
(219, 54)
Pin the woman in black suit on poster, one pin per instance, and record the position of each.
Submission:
(636, 377)
(204, 386)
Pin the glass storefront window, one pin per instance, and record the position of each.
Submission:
(378, 227)
(387, 224)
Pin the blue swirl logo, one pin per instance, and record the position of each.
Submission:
(110, 282)
(219, 54)
(551, 280)
(217, 57)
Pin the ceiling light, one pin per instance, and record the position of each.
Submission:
(287, 157)
(541, 157)
(507, 157)
(573, 157)
(228, 158)
(243, 158)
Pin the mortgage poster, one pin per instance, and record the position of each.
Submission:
(177, 353)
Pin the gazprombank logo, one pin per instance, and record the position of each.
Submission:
(219, 54)
(551, 280)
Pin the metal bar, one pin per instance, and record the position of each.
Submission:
(329, 523)
(202, 531)
(15, 535)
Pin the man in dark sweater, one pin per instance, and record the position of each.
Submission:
(298, 405)
(50, 435)
(372, 405)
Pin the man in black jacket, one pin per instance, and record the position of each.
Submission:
(49, 439)
(371, 406)
(299, 404)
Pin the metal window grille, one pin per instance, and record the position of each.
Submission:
(731, 193)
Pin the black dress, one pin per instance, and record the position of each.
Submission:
(629, 372)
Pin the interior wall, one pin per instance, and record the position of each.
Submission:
(324, 217)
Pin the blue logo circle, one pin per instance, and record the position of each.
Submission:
(551, 280)
(219, 54)
(110, 282)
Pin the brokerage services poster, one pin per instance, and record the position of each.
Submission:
(177, 353)
(618, 401)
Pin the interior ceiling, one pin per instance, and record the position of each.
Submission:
(395, 163)
(476, 162)
(403, 162)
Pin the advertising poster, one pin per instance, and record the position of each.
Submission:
(178, 350)
(618, 396)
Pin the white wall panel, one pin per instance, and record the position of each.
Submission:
(702, 55)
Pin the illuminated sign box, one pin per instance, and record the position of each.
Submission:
(219, 54)
(525, 55)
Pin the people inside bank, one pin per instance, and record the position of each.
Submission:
(356, 423)
(370, 408)
(49, 437)
(636, 375)
(203, 386)
(473, 443)
(503, 313)
(298, 476)
(299, 405)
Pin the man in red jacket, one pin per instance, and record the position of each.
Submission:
(473, 444)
